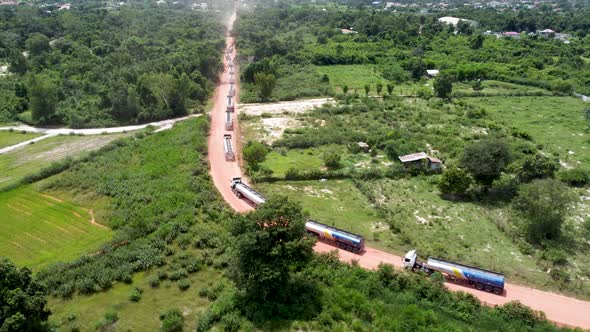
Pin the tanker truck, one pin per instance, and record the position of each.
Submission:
(242, 190)
(227, 148)
(229, 122)
(230, 104)
(342, 239)
(482, 279)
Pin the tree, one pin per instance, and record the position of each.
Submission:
(389, 88)
(454, 181)
(367, 89)
(43, 98)
(254, 153)
(587, 116)
(416, 67)
(536, 167)
(268, 244)
(379, 87)
(22, 300)
(477, 41)
(485, 160)
(265, 83)
(476, 85)
(345, 89)
(544, 204)
(37, 43)
(443, 86)
(332, 158)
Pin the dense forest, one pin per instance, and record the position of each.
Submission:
(402, 46)
(90, 67)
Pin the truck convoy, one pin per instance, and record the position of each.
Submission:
(242, 190)
(229, 122)
(342, 239)
(482, 279)
(229, 151)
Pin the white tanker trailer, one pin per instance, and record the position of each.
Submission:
(230, 104)
(229, 122)
(480, 278)
(242, 190)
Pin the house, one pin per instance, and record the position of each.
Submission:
(511, 34)
(363, 146)
(421, 159)
(65, 6)
(546, 33)
(8, 3)
(454, 21)
(430, 73)
(348, 31)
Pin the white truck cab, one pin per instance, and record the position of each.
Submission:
(410, 259)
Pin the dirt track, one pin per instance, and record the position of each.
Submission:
(560, 309)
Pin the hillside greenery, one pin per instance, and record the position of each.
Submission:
(92, 67)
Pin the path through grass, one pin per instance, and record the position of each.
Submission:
(37, 229)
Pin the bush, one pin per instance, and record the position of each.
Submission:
(178, 274)
(172, 321)
(575, 177)
(517, 311)
(231, 322)
(184, 284)
(332, 158)
(454, 181)
(135, 294)
(154, 282)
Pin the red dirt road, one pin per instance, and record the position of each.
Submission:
(563, 310)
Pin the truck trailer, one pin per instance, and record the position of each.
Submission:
(232, 91)
(232, 79)
(489, 281)
(229, 151)
(342, 239)
(242, 190)
(229, 122)
(230, 104)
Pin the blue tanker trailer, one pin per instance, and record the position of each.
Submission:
(343, 239)
(480, 278)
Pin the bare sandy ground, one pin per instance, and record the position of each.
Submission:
(296, 106)
(563, 310)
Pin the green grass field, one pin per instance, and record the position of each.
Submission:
(556, 122)
(8, 138)
(134, 316)
(15, 165)
(37, 229)
(355, 76)
(333, 202)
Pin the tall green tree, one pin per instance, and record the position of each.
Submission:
(443, 85)
(265, 83)
(37, 43)
(269, 244)
(254, 153)
(42, 94)
(22, 300)
(486, 159)
(390, 88)
(379, 87)
(544, 205)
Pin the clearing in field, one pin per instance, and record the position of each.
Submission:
(15, 165)
(86, 312)
(8, 138)
(37, 229)
(354, 76)
(556, 122)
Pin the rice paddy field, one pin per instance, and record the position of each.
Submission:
(37, 229)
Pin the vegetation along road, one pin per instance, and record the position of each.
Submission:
(558, 308)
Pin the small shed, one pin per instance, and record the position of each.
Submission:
(421, 159)
(363, 146)
(432, 73)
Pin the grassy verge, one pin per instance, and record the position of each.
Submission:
(86, 312)
(38, 229)
(353, 76)
(555, 122)
(21, 162)
(8, 138)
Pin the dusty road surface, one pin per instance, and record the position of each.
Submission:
(560, 309)
(223, 171)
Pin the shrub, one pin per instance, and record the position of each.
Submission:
(332, 158)
(172, 321)
(575, 177)
(454, 181)
(184, 284)
(154, 282)
(178, 274)
(135, 294)
(231, 322)
(517, 311)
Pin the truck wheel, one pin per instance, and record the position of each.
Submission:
(498, 290)
(349, 247)
(355, 250)
(479, 285)
(489, 288)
